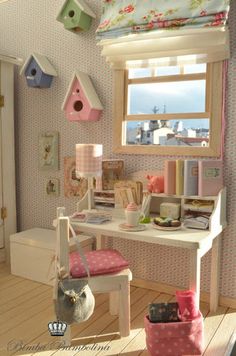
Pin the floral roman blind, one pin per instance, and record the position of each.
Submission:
(133, 16)
(142, 32)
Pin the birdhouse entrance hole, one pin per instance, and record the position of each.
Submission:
(33, 71)
(71, 13)
(78, 105)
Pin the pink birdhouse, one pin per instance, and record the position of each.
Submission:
(81, 102)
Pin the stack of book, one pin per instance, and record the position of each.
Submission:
(199, 222)
(91, 216)
(204, 206)
(104, 198)
(98, 217)
(192, 177)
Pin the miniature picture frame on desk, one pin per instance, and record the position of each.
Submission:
(73, 186)
(112, 172)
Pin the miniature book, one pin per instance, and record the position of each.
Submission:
(163, 312)
(112, 171)
(179, 177)
(104, 198)
(169, 177)
(204, 206)
(93, 216)
(190, 177)
(199, 222)
(210, 180)
(78, 217)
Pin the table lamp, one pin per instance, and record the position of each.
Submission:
(88, 165)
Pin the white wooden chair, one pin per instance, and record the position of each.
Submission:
(117, 284)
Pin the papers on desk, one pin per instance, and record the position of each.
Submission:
(92, 217)
(97, 220)
(78, 217)
(199, 222)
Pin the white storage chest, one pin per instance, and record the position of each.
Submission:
(32, 252)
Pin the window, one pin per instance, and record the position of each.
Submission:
(173, 110)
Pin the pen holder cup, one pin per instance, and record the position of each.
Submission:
(132, 217)
(175, 338)
(187, 301)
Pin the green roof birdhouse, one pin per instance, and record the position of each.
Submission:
(76, 15)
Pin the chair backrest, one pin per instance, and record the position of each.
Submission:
(62, 245)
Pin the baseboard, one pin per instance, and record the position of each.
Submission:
(166, 288)
(2, 255)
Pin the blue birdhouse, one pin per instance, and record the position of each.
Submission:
(38, 71)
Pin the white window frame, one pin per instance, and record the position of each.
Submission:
(214, 85)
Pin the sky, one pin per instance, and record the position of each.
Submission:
(174, 97)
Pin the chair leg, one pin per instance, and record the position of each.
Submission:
(114, 302)
(124, 309)
(66, 339)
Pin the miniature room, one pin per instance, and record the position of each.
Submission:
(117, 182)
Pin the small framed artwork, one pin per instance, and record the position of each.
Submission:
(73, 186)
(48, 150)
(112, 172)
(52, 187)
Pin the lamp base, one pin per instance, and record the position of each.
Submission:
(86, 203)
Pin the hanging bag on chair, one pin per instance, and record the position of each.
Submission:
(75, 301)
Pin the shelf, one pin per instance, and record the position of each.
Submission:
(217, 213)
(194, 197)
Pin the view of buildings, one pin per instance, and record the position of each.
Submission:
(167, 133)
(168, 98)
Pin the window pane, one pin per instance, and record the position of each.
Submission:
(195, 68)
(171, 97)
(139, 73)
(160, 71)
(192, 132)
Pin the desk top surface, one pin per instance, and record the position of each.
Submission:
(185, 238)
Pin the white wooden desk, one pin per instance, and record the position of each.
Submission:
(198, 242)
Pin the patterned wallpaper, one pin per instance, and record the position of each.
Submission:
(27, 26)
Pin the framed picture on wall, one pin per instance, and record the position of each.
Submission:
(73, 186)
(48, 150)
(52, 187)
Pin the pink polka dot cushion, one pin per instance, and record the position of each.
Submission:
(99, 262)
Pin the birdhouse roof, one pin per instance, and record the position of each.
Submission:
(43, 63)
(81, 4)
(87, 88)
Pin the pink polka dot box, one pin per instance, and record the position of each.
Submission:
(176, 338)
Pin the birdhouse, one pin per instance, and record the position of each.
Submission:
(81, 101)
(38, 71)
(76, 15)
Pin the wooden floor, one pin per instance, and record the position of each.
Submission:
(26, 308)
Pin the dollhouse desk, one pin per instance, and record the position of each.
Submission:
(198, 242)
